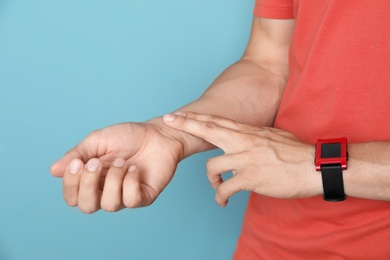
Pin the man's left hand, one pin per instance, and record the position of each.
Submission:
(268, 161)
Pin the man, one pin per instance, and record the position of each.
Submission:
(312, 70)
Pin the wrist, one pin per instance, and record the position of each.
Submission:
(189, 143)
(331, 159)
(313, 178)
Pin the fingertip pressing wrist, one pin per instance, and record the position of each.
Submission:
(169, 118)
(170, 132)
(190, 144)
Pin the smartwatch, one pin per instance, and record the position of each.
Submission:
(331, 159)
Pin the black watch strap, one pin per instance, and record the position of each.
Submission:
(332, 181)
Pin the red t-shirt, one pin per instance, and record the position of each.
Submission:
(339, 85)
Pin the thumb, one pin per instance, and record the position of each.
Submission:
(58, 168)
(87, 149)
(84, 151)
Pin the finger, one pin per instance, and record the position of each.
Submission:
(89, 192)
(231, 124)
(219, 165)
(229, 188)
(84, 151)
(58, 168)
(112, 192)
(135, 193)
(70, 182)
(219, 120)
(217, 135)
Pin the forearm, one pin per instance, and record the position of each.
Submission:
(368, 173)
(249, 91)
(245, 92)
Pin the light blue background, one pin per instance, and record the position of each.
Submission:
(69, 67)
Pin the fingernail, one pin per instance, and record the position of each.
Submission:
(179, 113)
(93, 165)
(119, 163)
(75, 166)
(169, 117)
(132, 168)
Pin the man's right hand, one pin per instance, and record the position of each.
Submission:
(123, 165)
(248, 92)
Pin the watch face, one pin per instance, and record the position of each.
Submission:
(331, 150)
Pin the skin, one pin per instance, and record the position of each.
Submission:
(261, 75)
(118, 166)
(122, 166)
(265, 160)
(275, 163)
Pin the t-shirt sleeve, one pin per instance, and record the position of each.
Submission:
(277, 9)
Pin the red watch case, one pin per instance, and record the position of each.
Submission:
(319, 161)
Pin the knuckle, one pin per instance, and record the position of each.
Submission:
(183, 121)
(89, 182)
(190, 114)
(69, 181)
(210, 166)
(94, 134)
(257, 140)
(210, 125)
(219, 119)
(251, 138)
(66, 185)
(220, 194)
(215, 118)
(92, 137)
(267, 135)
